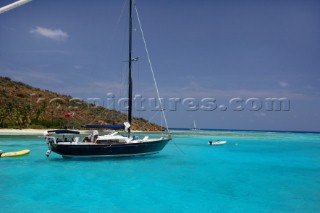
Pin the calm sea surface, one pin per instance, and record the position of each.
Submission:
(253, 172)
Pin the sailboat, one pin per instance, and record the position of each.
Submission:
(195, 126)
(115, 144)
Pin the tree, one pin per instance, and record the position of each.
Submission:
(22, 116)
(40, 110)
(5, 113)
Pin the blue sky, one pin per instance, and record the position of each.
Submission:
(248, 49)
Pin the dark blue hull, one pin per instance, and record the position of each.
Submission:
(109, 150)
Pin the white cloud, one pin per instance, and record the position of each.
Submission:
(202, 91)
(77, 67)
(309, 87)
(30, 76)
(260, 114)
(54, 34)
(283, 84)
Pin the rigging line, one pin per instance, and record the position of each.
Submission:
(148, 122)
(151, 68)
(150, 119)
(118, 92)
(178, 147)
(13, 5)
(137, 75)
(115, 29)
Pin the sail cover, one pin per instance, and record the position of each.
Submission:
(95, 126)
(63, 131)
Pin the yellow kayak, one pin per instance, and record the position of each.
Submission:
(16, 154)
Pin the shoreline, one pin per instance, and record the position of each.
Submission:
(41, 131)
(21, 131)
(220, 134)
(29, 131)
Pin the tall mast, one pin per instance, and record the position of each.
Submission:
(130, 75)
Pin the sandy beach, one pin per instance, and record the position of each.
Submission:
(21, 131)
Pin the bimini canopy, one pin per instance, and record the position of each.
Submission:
(63, 131)
(114, 127)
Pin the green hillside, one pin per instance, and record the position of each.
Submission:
(23, 106)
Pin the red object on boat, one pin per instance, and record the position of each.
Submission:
(68, 114)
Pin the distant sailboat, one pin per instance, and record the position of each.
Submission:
(195, 126)
(217, 143)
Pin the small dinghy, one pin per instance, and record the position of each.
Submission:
(15, 154)
(216, 143)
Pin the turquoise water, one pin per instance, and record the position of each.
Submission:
(253, 172)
